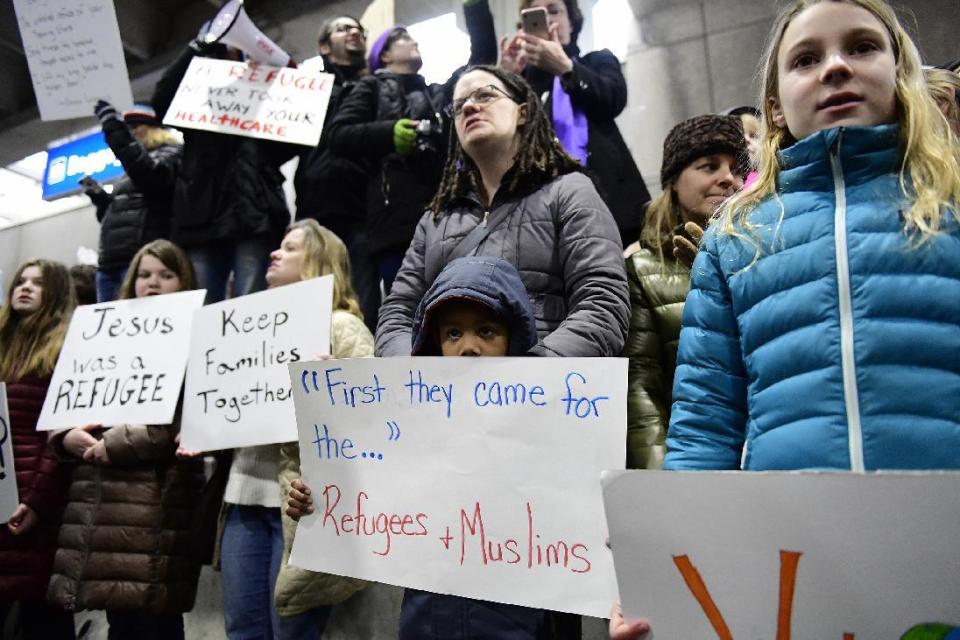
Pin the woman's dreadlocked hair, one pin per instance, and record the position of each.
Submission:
(539, 153)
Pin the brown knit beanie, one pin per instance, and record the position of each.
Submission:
(702, 136)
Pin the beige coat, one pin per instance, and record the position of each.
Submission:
(299, 590)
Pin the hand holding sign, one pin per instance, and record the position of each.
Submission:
(23, 520)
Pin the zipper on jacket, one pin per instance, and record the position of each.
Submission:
(851, 396)
(486, 214)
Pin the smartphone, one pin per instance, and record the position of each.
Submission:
(534, 22)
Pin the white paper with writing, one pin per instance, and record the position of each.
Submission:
(9, 498)
(470, 476)
(832, 556)
(122, 362)
(237, 392)
(75, 56)
(247, 99)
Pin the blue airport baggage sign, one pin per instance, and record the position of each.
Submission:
(88, 155)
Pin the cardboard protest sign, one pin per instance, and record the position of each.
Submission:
(74, 54)
(122, 362)
(470, 476)
(237, 392)
(788, 555)
(9, 498)
(247, 99)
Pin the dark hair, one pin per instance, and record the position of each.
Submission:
(539, 153)
(326, 29)
(573, 12)
(83, 276)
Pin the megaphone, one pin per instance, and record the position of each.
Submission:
(233, 27)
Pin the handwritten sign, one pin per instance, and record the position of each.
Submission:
(272, 103)
(74, 54)
(466, 476)
(122, 362)
(833, 556)
(9, 498)
(238, 390)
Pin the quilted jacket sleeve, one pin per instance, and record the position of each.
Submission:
(46, 492)
(153, 173)
(591, 260)
(131, 444)
(349, 337)
(709, 414)
(646, 415)
(395, 325)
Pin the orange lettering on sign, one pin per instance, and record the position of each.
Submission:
(788, 580)
(699, 590)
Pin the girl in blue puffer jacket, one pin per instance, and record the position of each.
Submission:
(822, 328)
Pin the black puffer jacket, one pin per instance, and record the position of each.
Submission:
(229, 187)
(331, 188)
(562, 239)
(139, 208)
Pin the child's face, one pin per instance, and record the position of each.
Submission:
(835, 67)
(154, 278)
(470, 329)
(28, 292)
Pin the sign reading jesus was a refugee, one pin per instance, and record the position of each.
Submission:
(478, 477)
(247, 99)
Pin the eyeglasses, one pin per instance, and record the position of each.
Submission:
(344, 27)
(481, 97)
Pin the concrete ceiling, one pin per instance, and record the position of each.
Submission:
(153, 33)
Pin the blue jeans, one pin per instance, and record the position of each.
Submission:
(246, 259)
(108, 283)
(250, 555)
(434, 616)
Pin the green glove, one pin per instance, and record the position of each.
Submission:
(404, 136)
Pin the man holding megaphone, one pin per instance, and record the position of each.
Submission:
(229, 211)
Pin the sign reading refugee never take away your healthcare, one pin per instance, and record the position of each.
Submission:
(247, 99)
(237, 392)
(75, 56)
(122, 362)
(831, 556)
(470, 476)
(9, 499)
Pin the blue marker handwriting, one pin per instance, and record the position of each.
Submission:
(421, 391)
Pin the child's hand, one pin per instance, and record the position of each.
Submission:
(23, 519)
(620, 629)
(78, 440)
(299, 502)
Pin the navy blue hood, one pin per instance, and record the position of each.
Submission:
(489, 281)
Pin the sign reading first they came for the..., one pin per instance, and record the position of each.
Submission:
(831, 556)
(237, 392)
(122, 363)
(247, 99)
(75, 55)
(478, 477)
(9, 499)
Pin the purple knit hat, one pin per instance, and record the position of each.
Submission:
(373, 59)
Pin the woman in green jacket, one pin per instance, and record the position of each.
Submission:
(704, 162)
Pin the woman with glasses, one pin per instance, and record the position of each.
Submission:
(510, 190)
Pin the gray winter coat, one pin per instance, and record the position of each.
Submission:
(564, 242)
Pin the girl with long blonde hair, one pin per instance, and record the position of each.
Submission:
(256, 540)
(33, 324)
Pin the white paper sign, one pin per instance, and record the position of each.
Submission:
(466, 476)
(272, 103)
(238, 390)
(122, 362)
(9, 498)
(74, 54)
(786, 555)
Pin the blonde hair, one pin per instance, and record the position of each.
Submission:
(663, 216)
(930, 167)
(30, 344)
(325, 254)
(172, 257)
(945, 90)
(158, 136)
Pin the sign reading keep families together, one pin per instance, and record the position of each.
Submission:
(475, 477)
